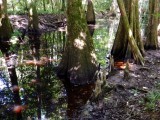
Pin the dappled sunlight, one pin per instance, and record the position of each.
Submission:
(158, 32)
(2, 62)
(73, 71)
(41, 62)
(34, 62)
(2, 84)
(2, 16)
(83, 35)
(158, 40)
(94, 58)
(14, 40)
(31, 11)
(75, 68)
(130, 33)
(62, 29)
(79, 43)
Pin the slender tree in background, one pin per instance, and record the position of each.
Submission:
(33, 34)
(63, 5)
(44, 5)
(152, 38)
(128, 42)
(90, 16)
(4, 26)
(33, 17)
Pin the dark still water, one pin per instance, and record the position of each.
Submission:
(41, 95)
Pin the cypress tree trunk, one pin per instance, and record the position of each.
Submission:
(78, 62)
(5, 28)
(128, 42)
(137, 29)
(152, 40)
(63, 5)
(78, 66)
(33, 17)
(90, 15)
(33, 33)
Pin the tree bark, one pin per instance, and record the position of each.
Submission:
(136, 53)
(152, 38)
(126, 40)
(78, 63)
(5, 34)
(90, 15)
(34, 39)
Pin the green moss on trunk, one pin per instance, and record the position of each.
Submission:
(128, 42)
(78, 63)
(152, 40)
(5, 26)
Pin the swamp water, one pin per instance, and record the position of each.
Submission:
(49, 100)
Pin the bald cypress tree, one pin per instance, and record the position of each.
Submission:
(78, 64)
(152, 38)
(128, 43)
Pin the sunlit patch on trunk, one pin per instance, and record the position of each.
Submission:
(31, 11)
(93, 55)
(130, 33)
(79, 43)
(83, 35)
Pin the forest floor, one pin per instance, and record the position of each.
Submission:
(134, 98)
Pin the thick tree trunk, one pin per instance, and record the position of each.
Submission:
(78, 65)
(135, 50)
(152, 38)
(119, 50)
(78, 62)
(127, 42)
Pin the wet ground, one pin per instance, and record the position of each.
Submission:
(134, 98)
(123, 99)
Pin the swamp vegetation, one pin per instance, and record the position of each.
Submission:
(79, 59)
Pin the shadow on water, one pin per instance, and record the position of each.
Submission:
(41, 93)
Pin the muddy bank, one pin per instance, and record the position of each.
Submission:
(47, 22)
(127, 99)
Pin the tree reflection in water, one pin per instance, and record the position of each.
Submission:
(53, 93)
(77, 98)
